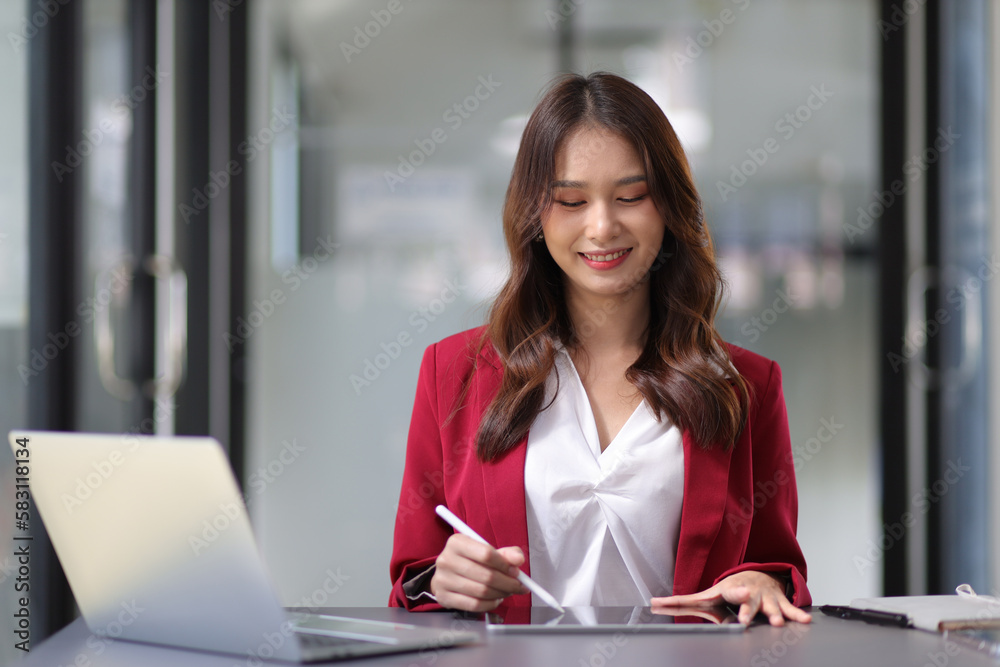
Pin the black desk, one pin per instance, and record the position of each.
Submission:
(827, 641)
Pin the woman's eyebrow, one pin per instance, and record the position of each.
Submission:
(627, 180)
(568, 184)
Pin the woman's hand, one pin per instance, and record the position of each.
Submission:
(752, 591)
(473, 576)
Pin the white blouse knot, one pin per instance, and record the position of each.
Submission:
(602, 526)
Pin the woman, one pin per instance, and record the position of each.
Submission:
(597, 429)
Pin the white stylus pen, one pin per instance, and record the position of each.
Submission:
(463, 528)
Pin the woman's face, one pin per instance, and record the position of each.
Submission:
(601, 228)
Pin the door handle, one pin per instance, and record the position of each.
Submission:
(104, 335)
(160, 267)
(163, 267)
(918, 327)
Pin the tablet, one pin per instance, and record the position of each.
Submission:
(591, 620)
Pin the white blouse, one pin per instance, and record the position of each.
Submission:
(602, 526)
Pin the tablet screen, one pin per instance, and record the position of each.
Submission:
(613, 619)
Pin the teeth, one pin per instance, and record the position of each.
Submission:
(605, 258)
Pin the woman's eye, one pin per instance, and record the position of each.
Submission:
(571, 204)
(632, 200)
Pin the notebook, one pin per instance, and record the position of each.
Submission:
(156, 544)
(938, 613)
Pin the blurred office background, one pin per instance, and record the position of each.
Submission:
(248, 219)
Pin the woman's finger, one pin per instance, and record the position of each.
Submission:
(708, 597)
(462, 545)
(473, 576)
(474, 579)
(771, 607)
(794, 613)
(749, 608)
(453, 600)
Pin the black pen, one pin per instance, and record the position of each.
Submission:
(867, 615)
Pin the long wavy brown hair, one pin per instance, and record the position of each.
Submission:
(684, 371)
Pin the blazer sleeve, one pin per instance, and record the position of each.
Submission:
(419, 536)
(772, 545)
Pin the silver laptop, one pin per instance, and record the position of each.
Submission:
(155, 541)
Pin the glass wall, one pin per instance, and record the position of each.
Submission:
(14, 375)
(106, 267)
(383, 135)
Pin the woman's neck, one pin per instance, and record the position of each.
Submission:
(609, 324)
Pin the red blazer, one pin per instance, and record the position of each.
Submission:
(739, 511)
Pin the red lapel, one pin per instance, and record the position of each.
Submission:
(503, 480)
(706, 481)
